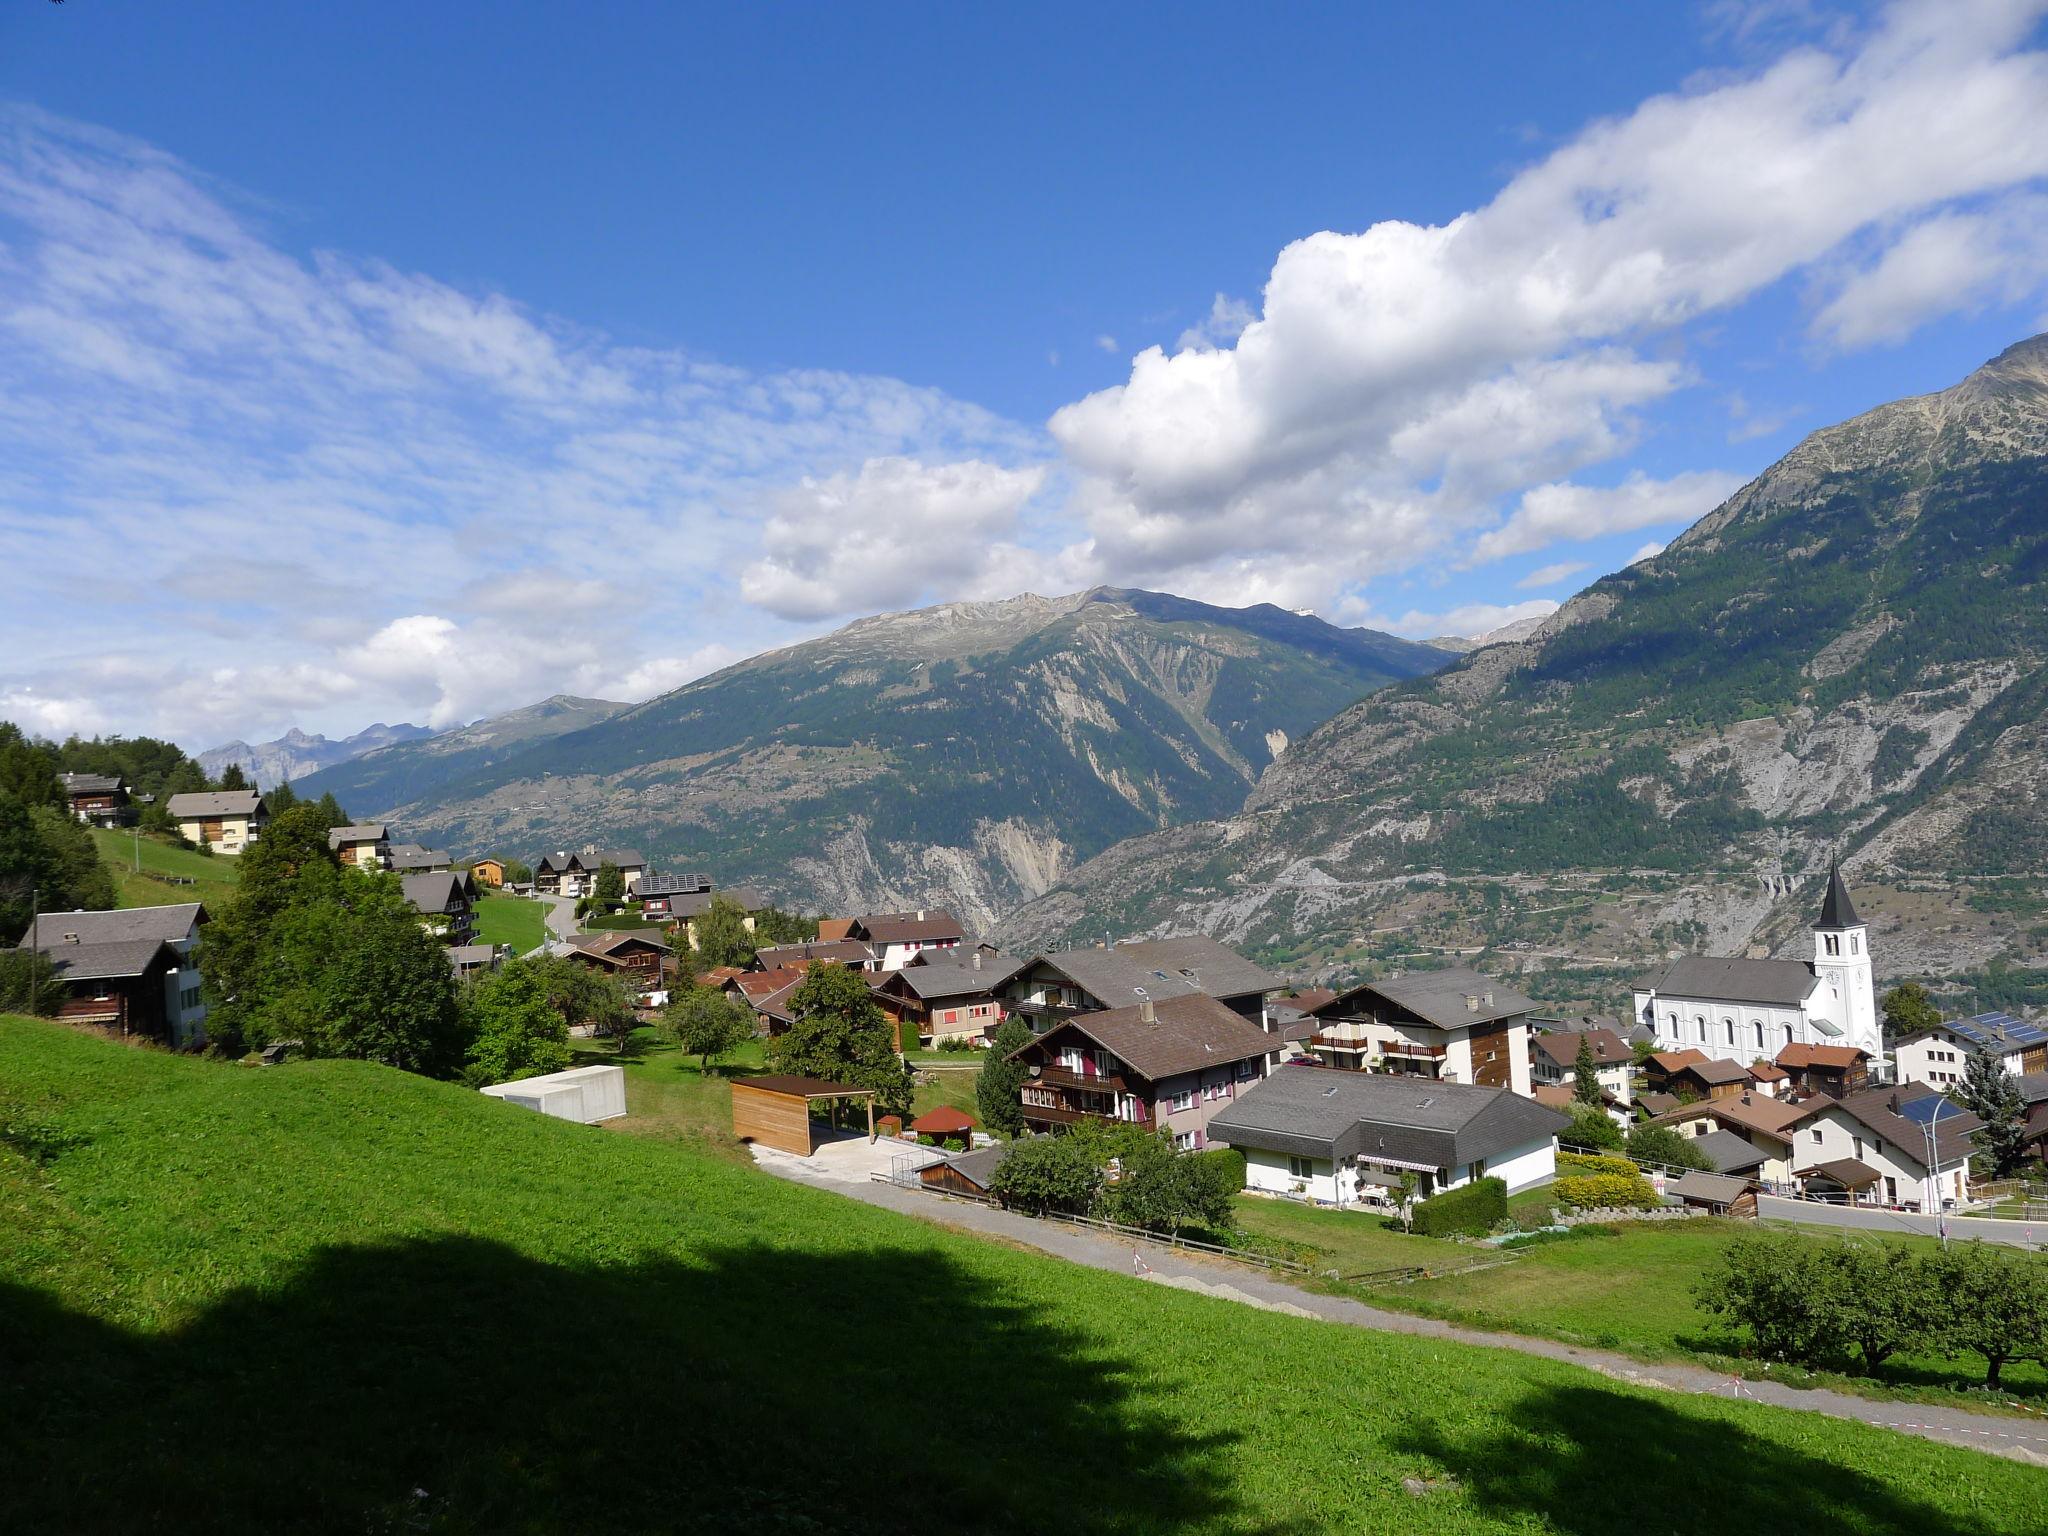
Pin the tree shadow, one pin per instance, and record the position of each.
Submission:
(454, 1384)
(1561, 1459)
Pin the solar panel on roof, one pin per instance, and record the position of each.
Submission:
(1986, 1028)
(1929, 1107)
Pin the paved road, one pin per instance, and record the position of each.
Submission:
(560, 913)
(2020, 1439)
(1987, 1229)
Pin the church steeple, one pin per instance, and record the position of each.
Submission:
(1838, 911)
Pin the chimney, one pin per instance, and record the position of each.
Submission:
(977, 959)
(1471, 1003)
(1489, 999)
(1148, 1011)
(920, 914)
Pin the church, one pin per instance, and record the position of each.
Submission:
(1743, 1009)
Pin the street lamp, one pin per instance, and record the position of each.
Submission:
(1932, 1200)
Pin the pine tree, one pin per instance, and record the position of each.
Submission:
(998, 1087)
(1992, 1096)
(1586, 1075)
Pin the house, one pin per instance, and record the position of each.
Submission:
(1941, 1055)
(1731, 1153)
(101, 991)
(850, 953)
(97, 799)
(367, 846)
(1345, 1138)
(446, 903)
(1768, 1077)
(896, 937)
(1050, 988)
(683, 899)
(1554, 1060)
(1563, 1097)
(488, 872)
(1750, 1008)
(1835, 1070)
(967, 1173)
(1890, 1146)
(1717, 1194)
(2034, 1095)
(469, 960)
(638, 959)
(1709, 1080)
(948, 994)
(1764, 1123)
(768, 993)
(1168, 1066)
(412, 859)
(1454, 1025)
(575, 874)
(227, 820)
(1659, 1066)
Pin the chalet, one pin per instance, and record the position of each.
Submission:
(1050, 988)
(896, 937)
(1835, 1070)
(1346, 1138)
(1768, 1077)
(227, 821)
(97, 799)
(1885, 1146)
(412, 859)
(683, 899)
(1168, 1066)
(1454, 1025)
(1941, 1055)
(638, 959)
(1718, 1194)
(1554, 1060)
(1764, 1123)
(948, 995)
(490, 872)
(367, 846)
(575, 874)
(1709, 1080)
(850, 953)
(768, 994)
(446, 903)
(79, 945)
(1659, 1066)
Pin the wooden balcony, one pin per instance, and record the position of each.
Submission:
(1062, 1077)
(1410, 1051)
(1337, 1043)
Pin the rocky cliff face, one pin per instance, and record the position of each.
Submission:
(295, 755)
(966, 755)
(1846, 657)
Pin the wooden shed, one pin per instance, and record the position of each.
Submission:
(776, 1110)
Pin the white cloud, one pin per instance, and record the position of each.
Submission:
(895, 532)
(1107, 343)
(1398, 381)
(1224, 323)
(1469, 619)
(1649, 551)
(1954, 263)
(1561, 510)
(1551, 575)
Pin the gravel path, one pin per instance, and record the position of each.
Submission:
(2020, 1439)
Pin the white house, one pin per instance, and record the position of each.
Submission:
(1747, 1009)
(1453, 1026)
(899, 937)
(1554, 1061)
(1345, 1138)
(1941, 1055)
(1885, 1146)
(227, 821)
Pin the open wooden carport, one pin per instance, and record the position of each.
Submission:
(776, 1110)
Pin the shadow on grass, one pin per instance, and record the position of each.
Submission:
(456, 1384)
(1560, 1460)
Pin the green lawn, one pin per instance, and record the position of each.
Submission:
(514, 920)
(211, 877)
(329, 1296)
(1631, 1293)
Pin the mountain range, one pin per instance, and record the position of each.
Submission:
(1845, 660)
(295, 754)
(966, 755)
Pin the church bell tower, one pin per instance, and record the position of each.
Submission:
(1841, 960)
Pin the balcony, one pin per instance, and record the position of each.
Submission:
(1337, 1043)
(1044, 1016)
(1408, 1050)
(1062, 1077)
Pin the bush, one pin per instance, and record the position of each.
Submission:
(1471, 1210)
(1052, 1173)
(1661, 1144)
(1591, 1128)
(1605, 1191)
(1229, 1163)
(959, 1043)
(1588, 1162)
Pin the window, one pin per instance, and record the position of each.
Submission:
(1855, 943)
(1699, 1024)
(1816, 1135)
(1857, 1143)
(1184, 1099)
(1757, 1026)
(1833, 941)
(1728, 1028)
(1301, 1168)
(1185, 1141)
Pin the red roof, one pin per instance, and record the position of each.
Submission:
(1672, 1061)
(762, 984)
(1841, 1057)
(944, 1121)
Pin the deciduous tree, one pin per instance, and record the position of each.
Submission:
(840, 1033)
(704, 1022)
(1908, 1009)
(513, 1030)
(721, 935)
(1048, 1173)
(1990, 1301)
(1661, 1144)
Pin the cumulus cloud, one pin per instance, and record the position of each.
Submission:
(1649, 551)
(1950, 264)
(1470, 619)
(1396, 382)
(1224, 323)
(893, 532)
(1561, 510)
(1551, 575)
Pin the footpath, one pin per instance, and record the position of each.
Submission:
(2019, 1439)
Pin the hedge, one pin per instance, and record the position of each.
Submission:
(1473, 1209)
(1605, 1191)
(1232, 1161)
(1587, 1162)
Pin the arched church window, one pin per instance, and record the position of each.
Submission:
(1758, 1026)
(1728, 1028)
(1855, 943)
(1833, 943)
(1788, 1034)
(1699, 1025)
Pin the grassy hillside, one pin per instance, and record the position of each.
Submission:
(167, 874)
(515, 920)
(332, 1297)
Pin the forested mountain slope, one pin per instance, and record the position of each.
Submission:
(965, 755)
(1844, 657)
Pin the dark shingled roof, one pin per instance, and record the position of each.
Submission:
(169, 924)
(954, 974)
(121, 960)
(1438, 997)
(905, 927)
(1608, 1047)
(228, 802)
(801, 1087)
(1715, 1072)
(433, 892)
(694, 904)
(1730, 1153)
(412, 856)
(1838, 911)
(1185, 1034)
(90, 783)
(979, 1166)
(1722, 979)
(1713, 1188)
(832, 952)
(1213, 968)
(1327, 1112)
(362, 832)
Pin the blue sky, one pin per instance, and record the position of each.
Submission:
(379, 362)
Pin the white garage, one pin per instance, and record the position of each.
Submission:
(584, 1094)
